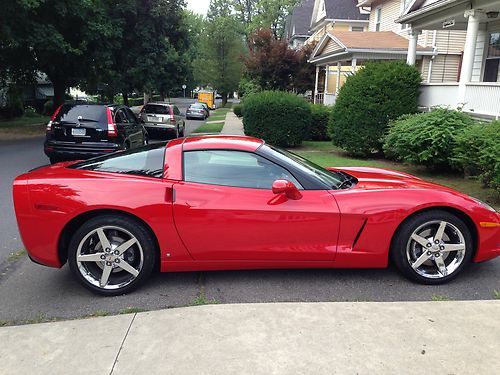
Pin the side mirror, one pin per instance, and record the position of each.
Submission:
(286, 187)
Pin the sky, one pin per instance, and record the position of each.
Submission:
(198, 6)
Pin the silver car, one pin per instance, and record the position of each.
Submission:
(162, 119)
(198, 111)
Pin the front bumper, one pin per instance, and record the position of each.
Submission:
(77, 151)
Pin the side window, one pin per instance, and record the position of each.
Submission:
(120, 117)
(233, 168)
(130, 116)
(145, 161)
(176, 111)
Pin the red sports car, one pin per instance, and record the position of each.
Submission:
(228, 202)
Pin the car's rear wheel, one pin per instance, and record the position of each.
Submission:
(54, 160)
(111, 255)
(432, 247)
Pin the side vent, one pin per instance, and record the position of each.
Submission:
(359, 233)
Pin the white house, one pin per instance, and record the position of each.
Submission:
(478, 88)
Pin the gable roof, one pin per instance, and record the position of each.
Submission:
(298, 22)
(345, 42)
(338, 9)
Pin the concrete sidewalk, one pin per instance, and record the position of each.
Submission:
(233, 125)
(283, 338)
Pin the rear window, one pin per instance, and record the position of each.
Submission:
(157, 109)
(142, 161)
(82, 113)
(197, 105)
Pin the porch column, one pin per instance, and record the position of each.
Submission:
(316, 85)
(339, 70)
(469, 52)
(327, 69)
(412, 47)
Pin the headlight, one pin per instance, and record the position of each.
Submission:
(485, 205)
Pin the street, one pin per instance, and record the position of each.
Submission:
(30, 292)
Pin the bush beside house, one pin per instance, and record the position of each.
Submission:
(477, 152)
(318, 130)
(376, 94)
(425, 138)
(281, 118)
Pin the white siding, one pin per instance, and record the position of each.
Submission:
(479, 55)
(390, 12)
(450, 41)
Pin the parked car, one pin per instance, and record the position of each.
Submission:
(163, 120)
(229, 202)
(82, 131)
(197, 111)
(207, 108)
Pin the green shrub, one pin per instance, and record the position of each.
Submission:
(14, 106)
(375, 95)
(426, 138)
(279, 117)
(318, 130)
(477, 152)
(238, 110)
(247, 87)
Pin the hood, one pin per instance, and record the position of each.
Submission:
(378, 178)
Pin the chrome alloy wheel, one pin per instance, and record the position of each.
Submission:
(109, 257)
(436, 249)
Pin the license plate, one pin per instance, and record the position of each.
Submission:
(78, 132)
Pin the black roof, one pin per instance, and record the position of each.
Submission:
(300, 18)
(344, 9)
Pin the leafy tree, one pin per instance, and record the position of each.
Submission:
(149, 54)
(62, 39)
(271, 62)
(219, 62)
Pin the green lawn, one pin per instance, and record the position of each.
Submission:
(24, 121)
(26, 126)
(210, 128)
(325, 154)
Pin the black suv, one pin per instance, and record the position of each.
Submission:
(82, 131)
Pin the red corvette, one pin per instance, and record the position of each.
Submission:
(227, 202)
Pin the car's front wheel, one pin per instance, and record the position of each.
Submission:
(111, 255)
(432, 247)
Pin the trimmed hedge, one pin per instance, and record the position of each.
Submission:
(281, 118)
(477, 152)
(238, 110)
(376, 94)
(426, 138)
(320, 115)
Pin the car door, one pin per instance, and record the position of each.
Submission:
(135, 127)
(178, 118)
(225, 210)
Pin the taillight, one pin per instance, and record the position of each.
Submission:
(112, 131)
(172, 120)
(49, 124)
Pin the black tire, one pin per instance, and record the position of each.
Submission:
(145, 243)
(54, 160)
(401, 244)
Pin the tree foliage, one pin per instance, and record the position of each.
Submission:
(219, 61)
(276, 66)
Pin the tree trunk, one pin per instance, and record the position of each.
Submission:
(125, 98)
(59, 92)
(224, 99)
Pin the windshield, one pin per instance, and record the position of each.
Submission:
(333, 179)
